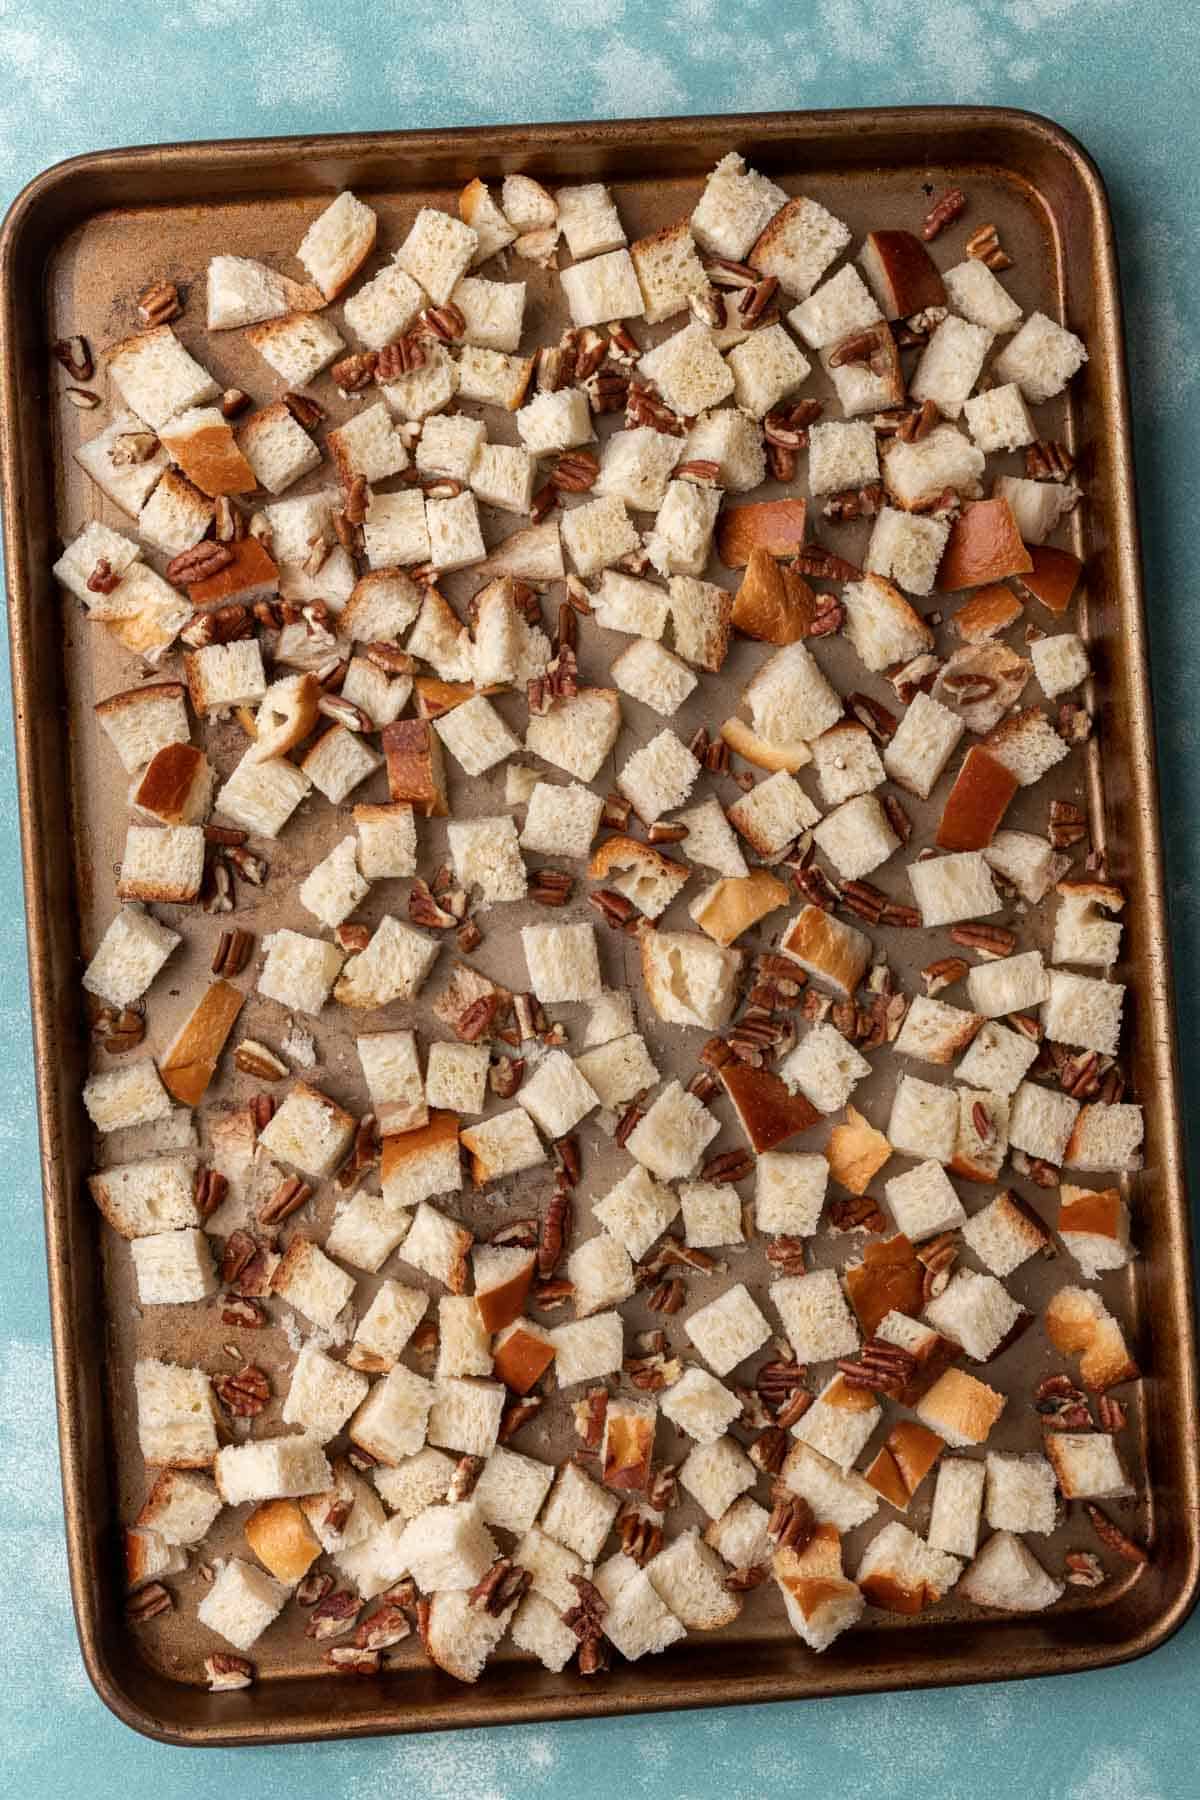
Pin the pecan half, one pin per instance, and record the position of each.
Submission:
(551, 887)
(792, 1524)
(786, 1254)
(881, 1367)
(225, 1671)
(641, 1538)
(148, 1603)
(1083, 1569)
(244, 1394)
(988, 941)
(504, 1584)
(117, 1030)
(1113, 1538)
(209, 1191)
(945, 209)
(287, 1198)
(202, 561)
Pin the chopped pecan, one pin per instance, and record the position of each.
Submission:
(209, 1191)
(333, 1615)
(741, 1581)
(985, 247)
(148, 1603)
(200, 563)
(253, 1058)
(348, 1659)
(769, 1450)
(616, 911)
(575, 472)
(387, 1625)
(445, 322)
(1111, 1414)
(290, 1195)
(786, 1254)
(814, 885)
(314, 1587)
(586, 1617)
(943, 973)
(1048, 460)
(233, 401)
(567, 1151)
(645, 407)
(881, 1367)
(74, 353)
(400, 358)
(1067, 825)
(853, 503)
(551, 887)
(233, 952)
(944, 210)
(117, 1030)
(82, 399)
(641, 1538)
(518, 1413)
(556, 1226)
(1083, 1569)
(668, 1297)
(988, 941)
(1113, 1538)
(159, 304)
(633, 1115)
(244, 1394)
(225, 1671)
(792, 1524)
(548, 1295)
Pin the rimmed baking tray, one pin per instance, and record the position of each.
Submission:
(76, 244)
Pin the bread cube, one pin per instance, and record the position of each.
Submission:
(998, 1059)
(673, 1135)
(839, 1422)
(837, 1498)
(881, 625)
(798, 244)
(1020, 1494)
(922, 746)
(510, 1489)
(578, 733)
(923, 1202)
(772, 813)
(465, 1415)
(957, 1505)
(334, 887)
(598, 533)
(502, 476)
(176, 1413)
(1041, 358)
(825, 1068)
(841, 456)
(557, 1096)
(322, 1394)
(297, 346)
(1077, 1320)
(493, 312)
(999, 419)
(688, 370)
(1011, 984)
(700, 1405)
(338, 762)
(562, 962)
(589, 220)
(726, 1332)
(1004, 1235)
(840, 306)
(486, 854)
(954, 887)
(789, 1191)
(262, 796)
(141, 1198)
(503, 1145)
(390, 1423)
(856, 836)
(176, 515)
(975, 1311)
(1083, 1011)
(308, 1280)
(383, 309)
(636, 1211)
(1082, 933)
(578, 1513)
(241, 1603)
(602, 1274)
(681, 542)
(1041, 1122)
(651, 674)
(419, 1481)
(587, 1349)
(735, 208)
(437, 252)
(900, 1573)
(790, 698)
(180, 1507)
(271, 1469)
(1094, 1227)
(157, 378)
(690, 1579)
(129, 1095)
(393, 1077)
(310, 1131)
(829, 951)
(907, 548)
(820, 1602)
(396, 530)
(603, 288)
(712, 1215)
(555, 422)
(1027, 744)
(767, 369)
(1086, 1465)
(561, 821)
(128, 484)
(1107, 1137)
(619, 1070)
(846, 762)
(392, 967)
(934, 1032)
(455, 539)
(1006, 1575)
(668, 271)
(162, 865)
(924, 1120)
(426, 389)
(456, 1077)
(950, 365)
(447, 1547)
(1037, 506)
(658, 777)
(173, 1268)
(859, 387)
(716, 1474)
(367, 1230)
(816, 1319)
(277, 448)
(710, 841)
(915, 474)
(960, 1409)
(636, 1621)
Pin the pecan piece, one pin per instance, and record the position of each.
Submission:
(792, 1524)
(1083, 1569)
(333, 1615)
(668, 1297)
(74, 353)
(641, 1538)
(518, 1413)
(225, 1671)
(209, 1191)
(288, 1197)
(244, 1394)
(348, 1659)
(117, 1030)
(1113, 1538)
(881, 1367)
(504, 1584)
(727, 1167)
(988, 941)
(786, 1254)
(551, 887)
(985, 247)
(148, 1603)
(159, 304)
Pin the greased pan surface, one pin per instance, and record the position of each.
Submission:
(78, 246)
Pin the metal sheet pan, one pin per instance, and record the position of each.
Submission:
(78, 244)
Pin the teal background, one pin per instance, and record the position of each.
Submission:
(1123, 78)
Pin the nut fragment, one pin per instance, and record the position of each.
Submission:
(244, 1394)
(75, 355)
(944, 210)
(288, 1197)
(985, 247)
(148, 1603)
(333, 1615)
(159, 304)
(253, 1058)
(117, 1030)
(225, 1671)
(1083, 1569)
(1113, 1538)
(792, 1524)
(200, 563)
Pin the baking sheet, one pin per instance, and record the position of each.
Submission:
(97, 240)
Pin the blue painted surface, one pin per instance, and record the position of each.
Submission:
(1122, 77)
